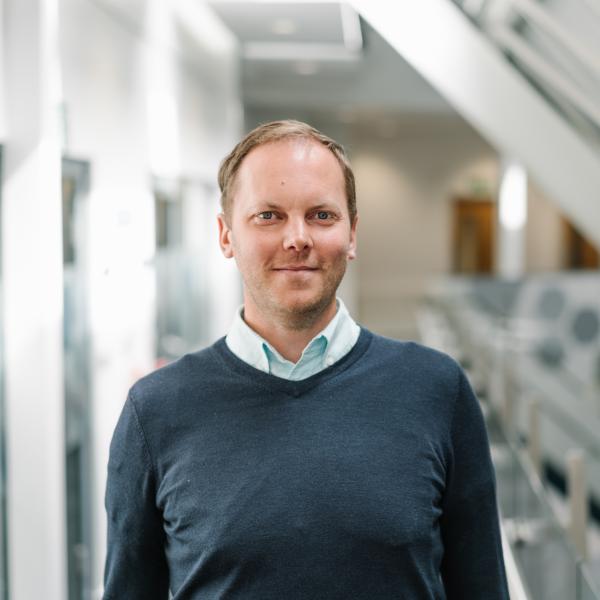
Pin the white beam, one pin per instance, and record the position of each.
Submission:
(33, 302)
(440, 42)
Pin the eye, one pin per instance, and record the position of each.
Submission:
(266, 215)
(322, 215)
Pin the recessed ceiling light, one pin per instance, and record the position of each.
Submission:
(306, 67)
(283, 27)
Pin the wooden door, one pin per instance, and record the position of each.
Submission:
(579, 252)
(474, 229)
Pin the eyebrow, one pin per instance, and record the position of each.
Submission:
(274, 205)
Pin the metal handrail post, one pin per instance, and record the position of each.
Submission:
(534, 437)
(578, 506)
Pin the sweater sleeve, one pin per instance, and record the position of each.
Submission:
(136, 566)
(472, 565)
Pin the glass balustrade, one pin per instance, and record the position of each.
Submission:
(497, 334)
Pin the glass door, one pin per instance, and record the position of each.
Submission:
(182, 226)
(77, 377)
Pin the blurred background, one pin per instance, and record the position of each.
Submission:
(473, 128)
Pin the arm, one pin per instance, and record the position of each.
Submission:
(472, 565)
(136, 566)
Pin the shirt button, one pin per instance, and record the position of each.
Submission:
(329, 361)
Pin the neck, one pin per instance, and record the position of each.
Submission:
(284, 336)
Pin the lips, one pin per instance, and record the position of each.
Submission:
(296, 268)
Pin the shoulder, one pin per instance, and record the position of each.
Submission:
(420, 360)
(165, 387)
(416, 378)
(437, 379)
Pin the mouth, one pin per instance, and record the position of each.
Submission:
(296, 268)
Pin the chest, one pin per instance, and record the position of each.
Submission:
(307, 474)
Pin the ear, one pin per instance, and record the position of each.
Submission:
(225, 236)
(351, 254)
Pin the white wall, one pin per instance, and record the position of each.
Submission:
(405, 187)
(141, 96)
(405, 182)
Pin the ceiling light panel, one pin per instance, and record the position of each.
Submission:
(283, 27)
(270, 22)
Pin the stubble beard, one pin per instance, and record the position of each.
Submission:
(300, 316)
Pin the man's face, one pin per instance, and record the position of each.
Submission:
(289, 229)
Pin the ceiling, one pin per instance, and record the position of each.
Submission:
(282, 22)
(321, 56)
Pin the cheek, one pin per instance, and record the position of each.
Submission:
(253, 250)
(334, 243)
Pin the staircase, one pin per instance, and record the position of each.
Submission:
(525, 74)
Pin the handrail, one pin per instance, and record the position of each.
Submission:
(516, 585)
(498, 338)
(507, 336)
(495, 19)
(537, 488)
(585, 437)
(535, 13)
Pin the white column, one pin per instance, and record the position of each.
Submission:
(512, 218)
(33, 294)
(2, 79)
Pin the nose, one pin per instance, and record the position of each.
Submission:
(297, 236)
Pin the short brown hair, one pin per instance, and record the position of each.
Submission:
(273, 132)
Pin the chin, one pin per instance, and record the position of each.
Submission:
(304, 304)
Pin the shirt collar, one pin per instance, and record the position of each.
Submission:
(255, 350)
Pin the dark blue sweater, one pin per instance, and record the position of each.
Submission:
(371, 479)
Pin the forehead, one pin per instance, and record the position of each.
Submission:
(289, 161)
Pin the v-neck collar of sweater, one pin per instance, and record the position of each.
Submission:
(287, 386)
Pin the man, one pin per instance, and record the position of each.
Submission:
(302, 456)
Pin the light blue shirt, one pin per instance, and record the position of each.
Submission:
(326, 348)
